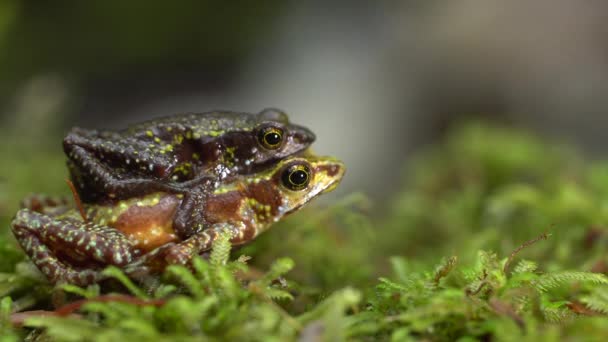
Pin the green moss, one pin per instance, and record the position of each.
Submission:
(445, 259)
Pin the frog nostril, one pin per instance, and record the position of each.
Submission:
(304, 136)
(311, 136)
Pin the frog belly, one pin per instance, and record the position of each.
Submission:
(148, 222)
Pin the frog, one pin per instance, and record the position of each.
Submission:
(189, 153)
(138, 234)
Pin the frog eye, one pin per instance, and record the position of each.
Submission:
(296, 177)
(270, 137)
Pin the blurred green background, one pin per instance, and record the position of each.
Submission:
(466, 126)
(374, 80)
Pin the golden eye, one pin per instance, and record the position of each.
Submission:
(270, 137)
(296, 177)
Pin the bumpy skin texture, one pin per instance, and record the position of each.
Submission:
(183, 154)
(138, 234)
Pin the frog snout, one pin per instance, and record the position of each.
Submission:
(303, 135)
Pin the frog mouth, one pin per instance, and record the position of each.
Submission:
(331, 187)
(302, 135)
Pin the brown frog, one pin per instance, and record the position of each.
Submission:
(138, 234)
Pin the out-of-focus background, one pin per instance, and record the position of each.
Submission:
(399, 90)
(374, 80)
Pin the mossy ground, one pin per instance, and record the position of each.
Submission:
(435, 262)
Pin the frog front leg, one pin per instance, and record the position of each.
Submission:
(181, 253)
(70, 250)
(189, 218)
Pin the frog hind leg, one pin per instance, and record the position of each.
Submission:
(102, 180)
(44, 238)
(55, 270)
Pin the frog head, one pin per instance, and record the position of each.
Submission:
(290, 184)
(278, 138)
(270, 138)
(300, 179)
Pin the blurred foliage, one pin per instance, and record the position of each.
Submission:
(493, 235)
(103, 39)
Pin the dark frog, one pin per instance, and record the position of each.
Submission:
(188, 154)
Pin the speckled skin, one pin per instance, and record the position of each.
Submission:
(138, 234)
(188, 154)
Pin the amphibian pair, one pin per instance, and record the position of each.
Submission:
(187, 153)
(160, 192)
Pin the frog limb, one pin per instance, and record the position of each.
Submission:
(195, 190)
(55, 270)
(103, 180)
(181, 253)
(189, 218)
(73, 238)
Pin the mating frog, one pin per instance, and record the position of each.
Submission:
(138, 234)
(188, 154)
